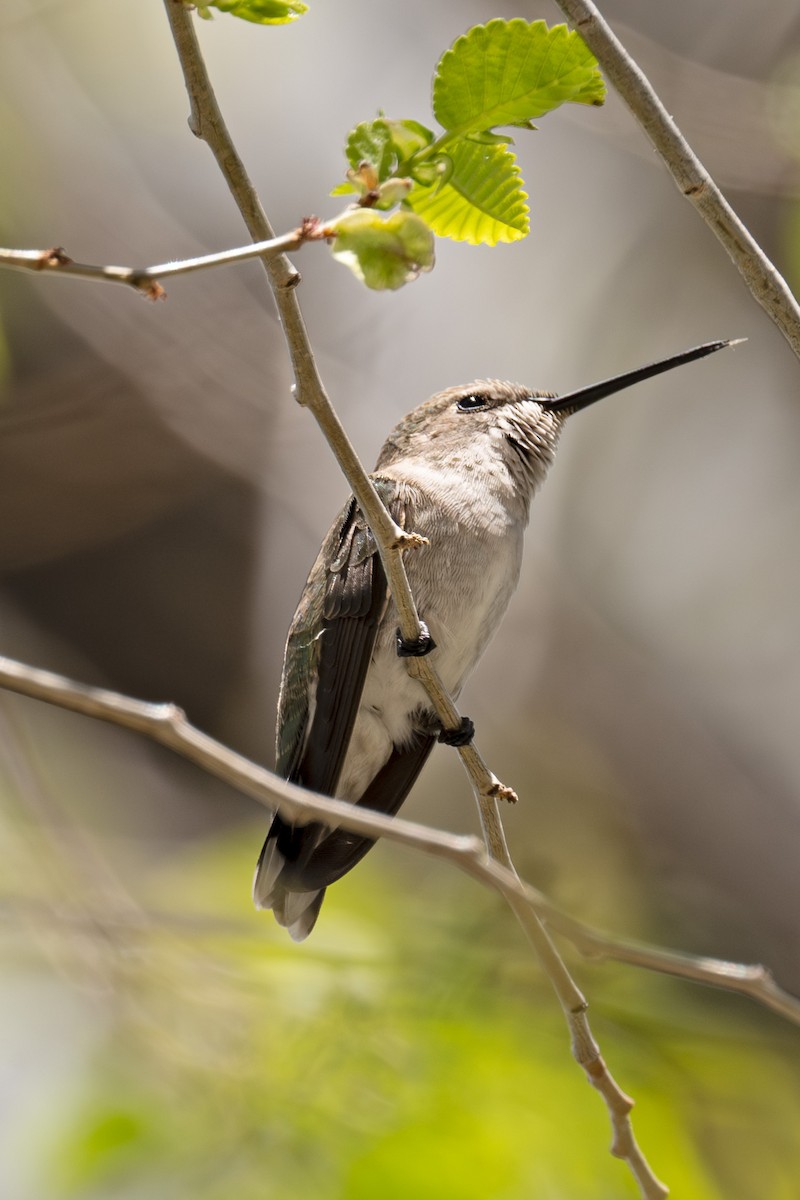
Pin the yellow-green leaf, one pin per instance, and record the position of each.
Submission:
(483, 200)
(508, 72)
(260, 12)
(383, 252)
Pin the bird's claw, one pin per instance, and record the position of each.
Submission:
(461, 736)
(415, 647)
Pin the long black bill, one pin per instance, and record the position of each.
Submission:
(574, 401)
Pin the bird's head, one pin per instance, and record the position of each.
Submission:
(491, 424)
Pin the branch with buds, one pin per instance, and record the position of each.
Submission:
(353, 237)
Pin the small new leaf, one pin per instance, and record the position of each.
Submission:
(386, 146)
(493, 139)
(508, 72)
(371, 143)
(482, 201)
(383, 252)
(260, 12)
(433, 170)
(408, 137)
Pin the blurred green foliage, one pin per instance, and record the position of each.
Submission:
(410, 1048)
(260, 12)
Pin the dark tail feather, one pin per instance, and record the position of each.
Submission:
(296, 909)
(298, 862)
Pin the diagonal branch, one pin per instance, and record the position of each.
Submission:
(167, 725)
(206, 122)
(762, 277)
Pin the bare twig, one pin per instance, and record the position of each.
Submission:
(763, 279)
(166, 724)
(585, 1049)
(206, 122)
(146, 279)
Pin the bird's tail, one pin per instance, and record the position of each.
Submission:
(295, 911)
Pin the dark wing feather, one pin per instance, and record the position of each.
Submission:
(332, 638)
(330, 856)
(355, 601)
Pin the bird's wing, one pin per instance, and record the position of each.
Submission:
(330, 645)
(331, 641)
(323, 859)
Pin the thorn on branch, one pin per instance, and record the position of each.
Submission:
(151, 289)
(291, 281)
(55, 257)
(170, 713)
(501, 791)
(311, 229)
(409, 541)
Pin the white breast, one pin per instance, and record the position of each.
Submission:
(462, 582)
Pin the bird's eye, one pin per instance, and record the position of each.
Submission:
(472, 403)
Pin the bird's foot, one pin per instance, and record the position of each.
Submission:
(415, 647)
(461, 736)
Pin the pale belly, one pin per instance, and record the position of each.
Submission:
(461, 595)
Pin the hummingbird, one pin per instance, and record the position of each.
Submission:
(461, 470)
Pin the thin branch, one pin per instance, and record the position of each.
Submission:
(206, 122)
(167, 725)
(146, 279)
(585, 1049)
(762, 277)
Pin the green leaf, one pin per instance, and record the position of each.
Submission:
(483, 200)
(371, 142)
(383, 252)
(260, 12)
(492, 139)
(432, 170)
(386, 145)
(408, 137)
(373, 194)
(508, 72)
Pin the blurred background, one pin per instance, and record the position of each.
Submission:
(162, 500)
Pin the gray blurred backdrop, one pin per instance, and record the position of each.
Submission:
(162, 497)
